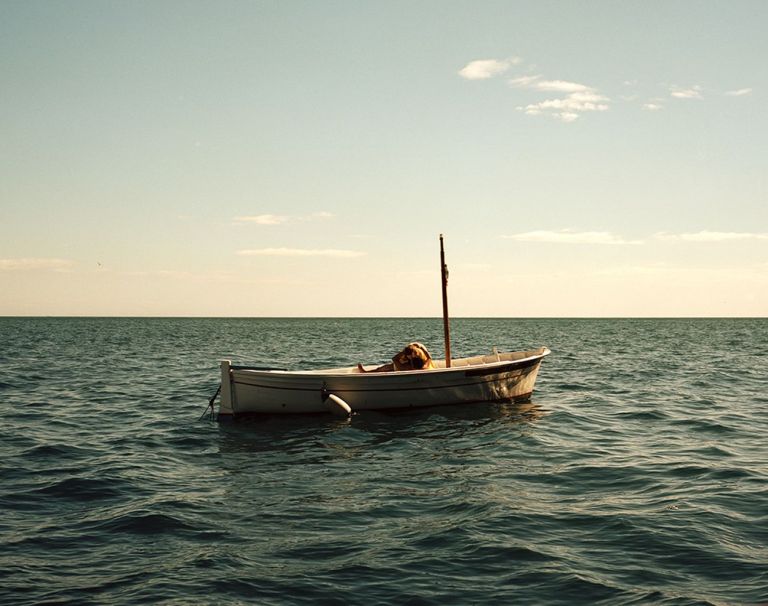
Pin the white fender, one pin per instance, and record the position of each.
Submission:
(338, 406)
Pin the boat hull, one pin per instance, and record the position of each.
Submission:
(500, 377)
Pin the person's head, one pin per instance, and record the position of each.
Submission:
(413, 357)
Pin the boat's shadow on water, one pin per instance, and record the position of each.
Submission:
(272, 432)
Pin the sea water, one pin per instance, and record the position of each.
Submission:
(637, 474)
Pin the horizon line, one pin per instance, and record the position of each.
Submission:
(297, 317)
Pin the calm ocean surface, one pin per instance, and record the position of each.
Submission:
(638, 473)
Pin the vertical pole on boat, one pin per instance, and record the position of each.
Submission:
(446, 325)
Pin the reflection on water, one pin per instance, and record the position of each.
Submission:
(263, 433)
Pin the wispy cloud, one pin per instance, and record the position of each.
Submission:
(268, 219)
(578, 98)
(570, 107)
(571, 100)
(561, 86)
(262, 219)
(223, 277)
(27, 263)
(711, 236)
(567, 236)
(739, 93)
(483, 69)
(653, 105)
(302, 252)
(740, 271)
(523, 81)
(535, 82)
(693, 92)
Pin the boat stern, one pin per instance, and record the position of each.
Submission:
(226, 405)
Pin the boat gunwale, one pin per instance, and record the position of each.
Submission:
(483, 368)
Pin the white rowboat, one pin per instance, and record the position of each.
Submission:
(498, 377)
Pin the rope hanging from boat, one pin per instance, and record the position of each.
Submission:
(210, 405)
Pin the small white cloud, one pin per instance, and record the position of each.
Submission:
(694, 92)
(652, 106)
(575, 102)
(558, 86)
(566, 236)
(263, 219)
(301, 252)
(711, 236)
(24, 264)
(587, 101)
(566, 116)
(739, 93)
(561, 86)
(482, 69)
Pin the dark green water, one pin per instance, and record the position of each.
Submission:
(638, 474)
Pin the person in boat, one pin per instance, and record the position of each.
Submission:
(414, 356)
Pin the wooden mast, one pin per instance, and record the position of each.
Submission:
(446, 325)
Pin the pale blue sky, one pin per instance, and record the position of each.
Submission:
(301, 158)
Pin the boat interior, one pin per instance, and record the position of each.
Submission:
(492, 358)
